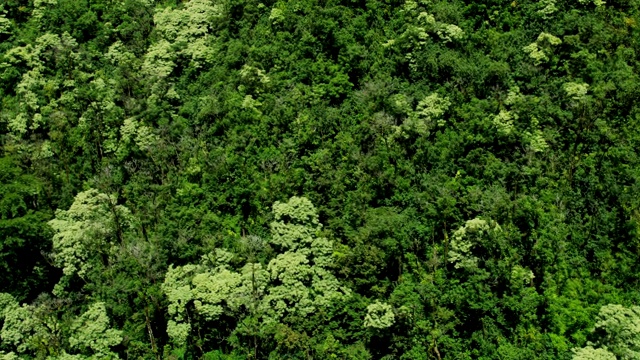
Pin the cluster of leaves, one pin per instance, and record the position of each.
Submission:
(237, 179)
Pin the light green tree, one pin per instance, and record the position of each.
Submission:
(379, 315)
(429, 113)
(90, 333)
(542, 48)
(597, 3)
(19, 329)
(618, 334)
(300, 280)
(432, 108)
(177, 289)
(36, 329)
(534, 138)
(589, 353)
(86, 237)
(184, 32)
(32, 329)
(5, 25)
(134, 133)
(548, 7)
(576, 91)
(504, 121)
(35, 104)
(422, 26)
(468, 237)
(295, 284)
(8, 356)
(507, 119)
(207, 290)
(102, 114)
(276, 16)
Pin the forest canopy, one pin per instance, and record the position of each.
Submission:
(319, 179)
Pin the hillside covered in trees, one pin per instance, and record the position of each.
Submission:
(319, 179)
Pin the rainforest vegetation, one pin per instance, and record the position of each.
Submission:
(320, 179)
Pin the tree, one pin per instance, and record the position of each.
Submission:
(91, 333)
(617, 333)
(38, 330)
(467, 238)
(379, 316)
(87, 236)
(296, 284)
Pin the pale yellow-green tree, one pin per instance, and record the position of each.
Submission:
(428, 114)
(36, 105)
(5, 24)
(37, 330)
(468, 237)
(184, 32)
(576, 91)
(421, 26)
(509, 119)
(541, 50)
(590, 353)
(300, 278)
(617, 332)
(295, 284)
(208, 290)
(91, 333)
(379, 315)
(87, 236)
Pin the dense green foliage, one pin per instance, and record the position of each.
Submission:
(326, 179)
